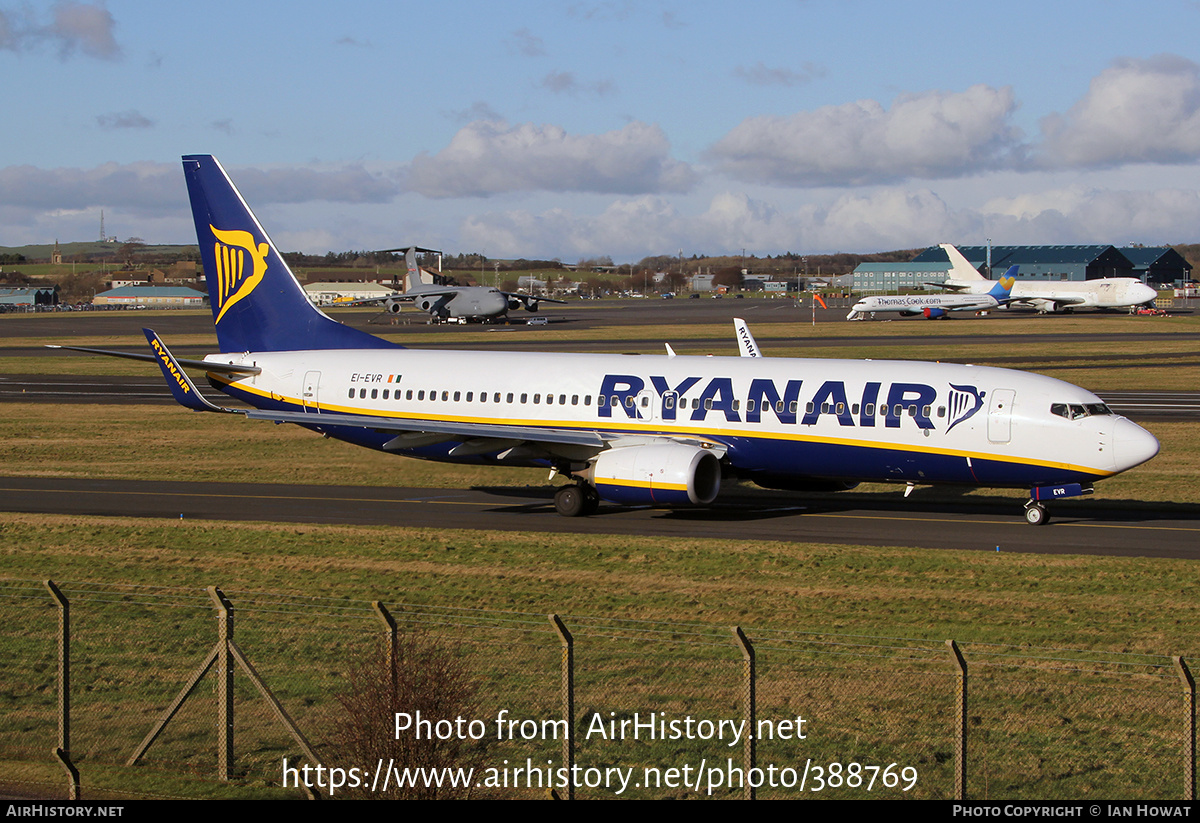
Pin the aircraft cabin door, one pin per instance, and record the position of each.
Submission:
(308, 394)
(1000, 415)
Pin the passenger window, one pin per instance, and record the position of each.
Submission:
(574, 400)
(750, 404)
(374, 394)
(854, 409)
(941, 411)
(445, 395)
(456, 396)
(869, 411)
(793, 406)
(629, 402)
(779, 406)
(385, 394)
(421, 394)
(562, 400)
(600, 400)
(408, 395)
(645, 402)
(707, 403)
(509, 398)
(808, 407)
(926, 410)
(537, 398)
(524, 397)
(549, 400)
(587, 400)
(496, 398)
(352, 394)
(362, 393)
(470, 396)
(840, 409)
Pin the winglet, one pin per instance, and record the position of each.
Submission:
(181, 386)
(746, 342)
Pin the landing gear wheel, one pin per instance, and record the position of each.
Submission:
(570, 501)
(1035, 514)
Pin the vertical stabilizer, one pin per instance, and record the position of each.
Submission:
(960, 268)
(257, 303)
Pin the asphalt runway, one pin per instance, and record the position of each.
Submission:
(1111, 530)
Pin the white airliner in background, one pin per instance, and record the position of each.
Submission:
(934, 306)
(645, 430)
(1062, 295)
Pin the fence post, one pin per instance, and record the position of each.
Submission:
(1189, 736)
(749, 713)
(390, 624)
(960, 734)
(63, 751)
(224, 682)
(568, 700)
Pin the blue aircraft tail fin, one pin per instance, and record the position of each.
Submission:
(1003, 289)
(257, 303)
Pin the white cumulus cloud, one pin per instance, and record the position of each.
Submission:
(1136, 111)
(930, 135)
(491, 157)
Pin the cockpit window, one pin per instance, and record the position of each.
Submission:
(1076, 411)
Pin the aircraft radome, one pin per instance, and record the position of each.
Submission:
(645, 430)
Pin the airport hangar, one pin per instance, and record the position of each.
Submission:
(1036, 263)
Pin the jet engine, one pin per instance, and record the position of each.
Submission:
(392, 305)
(663, 474)
(933, 314)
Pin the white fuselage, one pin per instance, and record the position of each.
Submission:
(1107, 293)
(772, 417)
(912, 304)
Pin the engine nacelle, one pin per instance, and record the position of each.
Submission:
(514, 303)
(663, 474)
(933, 314)
(531, 305)
(392, 305)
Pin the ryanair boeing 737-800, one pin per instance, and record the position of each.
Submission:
(644, 430)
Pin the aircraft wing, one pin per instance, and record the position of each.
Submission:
(205, 365)
(954, 287)
(1033, 300)
(479, 438)
(530, 298)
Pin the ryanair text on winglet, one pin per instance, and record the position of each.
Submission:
(170, 363)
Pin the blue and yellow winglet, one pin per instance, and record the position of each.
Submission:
(181, 386)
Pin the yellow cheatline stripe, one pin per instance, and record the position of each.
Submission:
(700, 433)
(640, 484)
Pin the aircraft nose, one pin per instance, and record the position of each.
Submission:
(1144, 294)
(1132, 444)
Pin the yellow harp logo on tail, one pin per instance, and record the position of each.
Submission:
(233, 281)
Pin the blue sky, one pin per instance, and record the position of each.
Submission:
(573, 129)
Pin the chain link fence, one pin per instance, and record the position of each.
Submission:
(178, 692)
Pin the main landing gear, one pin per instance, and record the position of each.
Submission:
(1036, 514)
(576, 500)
